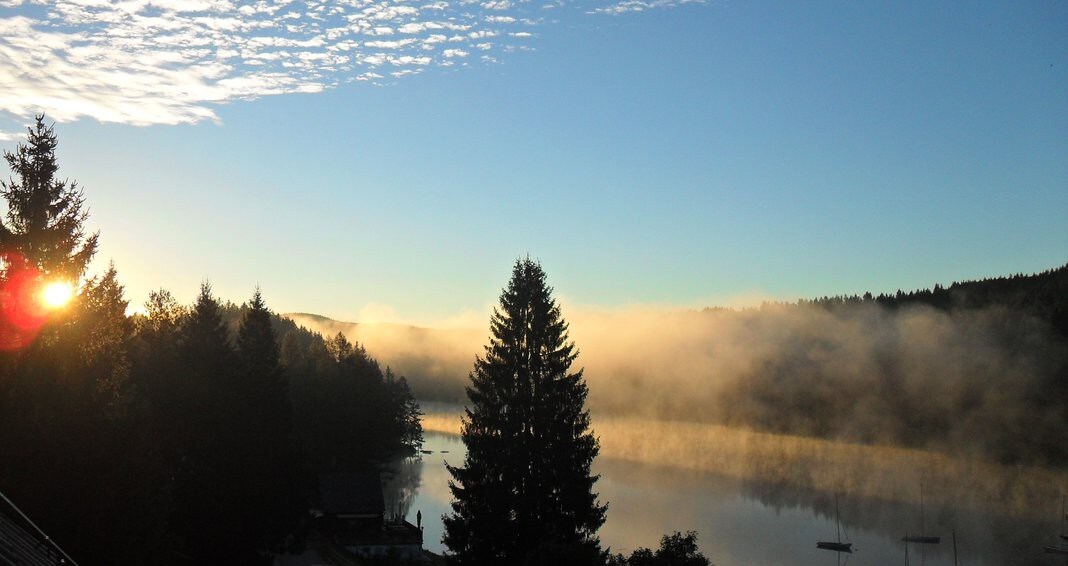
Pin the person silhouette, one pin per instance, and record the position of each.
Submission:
(419, 520)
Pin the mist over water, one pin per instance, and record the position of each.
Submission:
(759, 498)
(744, 424)
(972, 382)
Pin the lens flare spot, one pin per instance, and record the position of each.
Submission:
(57, 294)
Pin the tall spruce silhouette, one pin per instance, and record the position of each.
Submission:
(525, 490)
(262, 442)
(45, 216)
(205, 509)
(257, 346)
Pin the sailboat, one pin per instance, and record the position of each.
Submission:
(921, 538)
(1065, 520)
(1059, 549)
(838, 546)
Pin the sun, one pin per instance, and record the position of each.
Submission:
(57, 294)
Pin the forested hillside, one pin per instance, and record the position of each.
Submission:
(1043, 295)
(976, 368)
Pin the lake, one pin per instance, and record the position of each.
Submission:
(766, 499)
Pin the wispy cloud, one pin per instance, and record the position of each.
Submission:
(144, 62)
(624, 6)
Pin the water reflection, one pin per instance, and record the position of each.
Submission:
(753, 522)
(432, 498)
(400, 484)
(761, 499)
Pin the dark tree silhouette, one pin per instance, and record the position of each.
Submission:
(525, 489)
(257, 346)
(102, 335)
(154, 353)
(206, 509)
(236, 475)
(676, 549)
(261, 430)
(406, 414)
(44, 215)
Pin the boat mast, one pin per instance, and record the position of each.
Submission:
(836, 523)
(922, 531)
(1064, 519)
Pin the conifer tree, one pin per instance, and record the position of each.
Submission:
(407, 423)
(154, 355)
(257, 346)
(256, 340)
(340, 348)
(205, 341)
(525, 489)
(45, 216)
(161, 320)
(102, 332)
(204, 510)
(262, 449)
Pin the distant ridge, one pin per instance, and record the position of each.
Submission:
(1036, 291)
(1043, 294)
(342, 324)
(437, 360)
(434, 360)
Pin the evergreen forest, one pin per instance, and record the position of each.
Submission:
(189, 434)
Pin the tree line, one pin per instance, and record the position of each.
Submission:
(183, 435)
(1043, 295)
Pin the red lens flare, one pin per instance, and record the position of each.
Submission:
(22, 313)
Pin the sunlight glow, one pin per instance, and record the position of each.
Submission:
(57, 294)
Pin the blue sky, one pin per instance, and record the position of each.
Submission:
(389, 160)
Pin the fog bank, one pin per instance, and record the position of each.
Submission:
(987, 382)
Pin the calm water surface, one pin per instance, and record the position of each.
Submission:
(741, 521)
